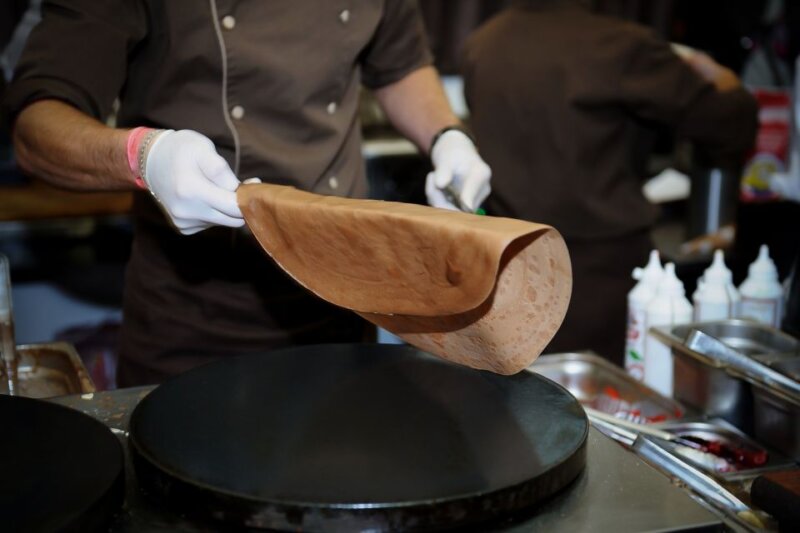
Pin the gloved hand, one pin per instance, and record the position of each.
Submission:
(193, 183)
(459, 174)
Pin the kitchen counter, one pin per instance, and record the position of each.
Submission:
(616, 492)
(38, 201)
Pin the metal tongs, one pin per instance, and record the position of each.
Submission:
(741, 365)
(625, 432)
(646, 441)
(452, 194)
(717, 496)
(8, 348)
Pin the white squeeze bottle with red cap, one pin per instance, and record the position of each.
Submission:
(669, 307)
(638, 298)
(762, 294)
(716, 298)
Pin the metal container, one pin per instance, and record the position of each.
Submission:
(777, 418)
(49, 370)
(604, 386)
(36, 370)
(720, 431)
(745, 336)
(701, 383)
(788, 366)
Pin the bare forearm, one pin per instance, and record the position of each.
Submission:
(417, 106)
(63, 146)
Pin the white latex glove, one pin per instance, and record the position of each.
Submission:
(193, 183)
(458, 171)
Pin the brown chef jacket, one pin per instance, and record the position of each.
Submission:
(275, 85)
(557, 98)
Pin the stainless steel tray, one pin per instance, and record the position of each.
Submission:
(604, 386)
(744, 336)
(721, 431)
(777, 421)
(701, 383)
(49, 370)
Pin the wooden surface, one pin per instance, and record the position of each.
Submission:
(36, 201)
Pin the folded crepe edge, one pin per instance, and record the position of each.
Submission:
(501, 337)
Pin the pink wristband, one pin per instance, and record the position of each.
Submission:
(132, 148)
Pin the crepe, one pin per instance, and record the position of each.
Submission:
(486, 292)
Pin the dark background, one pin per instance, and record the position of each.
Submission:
(89, 266)
(727, 29)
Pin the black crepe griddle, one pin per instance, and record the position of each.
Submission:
(353, 437)
(61, 470)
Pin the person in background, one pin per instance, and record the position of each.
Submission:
(558, 97)
(211, 94)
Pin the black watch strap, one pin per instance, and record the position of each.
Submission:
(444, 130)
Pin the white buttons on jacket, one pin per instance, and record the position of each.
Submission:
(228, 22)
(237, 112)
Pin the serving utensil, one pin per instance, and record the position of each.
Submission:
(604, 419)
(7, 343)
(716, 495)
(740, 364)
(453, 195)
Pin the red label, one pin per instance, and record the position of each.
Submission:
(771, 151)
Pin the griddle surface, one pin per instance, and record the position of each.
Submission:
(355, 436)
(62, 470)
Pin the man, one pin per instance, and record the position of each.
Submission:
(213, 93)
(558, 97)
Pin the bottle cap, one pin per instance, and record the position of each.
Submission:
(763, 268)
(670, 285)
(652, 272)
(718, 272)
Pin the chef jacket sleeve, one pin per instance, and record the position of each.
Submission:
(78, 54)
(656, 84)
(399, 46)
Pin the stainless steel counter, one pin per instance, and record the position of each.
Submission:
(617, 492)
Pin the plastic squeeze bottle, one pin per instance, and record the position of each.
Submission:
(638, 298)
(669, 307)
(762, 294)
(716, 298)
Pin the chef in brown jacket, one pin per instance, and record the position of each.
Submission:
(212, 93)
(557, 98)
